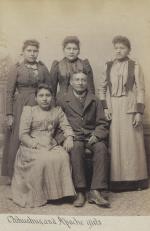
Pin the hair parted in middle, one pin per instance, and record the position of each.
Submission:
(30, 42)
(122, 39)
(43, 86)
(71, 39)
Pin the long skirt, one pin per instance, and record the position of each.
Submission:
(41, 175)
(128, 158)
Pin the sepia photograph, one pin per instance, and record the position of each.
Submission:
(74, 110)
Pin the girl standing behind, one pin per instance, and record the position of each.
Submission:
(122, 94)
(61, 71)
(23, 79)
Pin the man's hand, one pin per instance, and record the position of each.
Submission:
(93, 139)
(68, 143)
(137, 121)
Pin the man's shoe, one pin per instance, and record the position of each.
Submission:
(94, 196)
(80, 200)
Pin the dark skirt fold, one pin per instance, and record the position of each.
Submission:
(124, 186)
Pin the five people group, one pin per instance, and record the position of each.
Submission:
(49, 131)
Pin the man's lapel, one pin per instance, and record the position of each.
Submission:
(73, 102)
(89, 98)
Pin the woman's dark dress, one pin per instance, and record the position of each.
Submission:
(22, 82)
(61, 71)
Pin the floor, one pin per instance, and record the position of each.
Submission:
(122, 204)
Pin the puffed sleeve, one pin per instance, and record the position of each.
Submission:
(47, 76)
(89, 73)
(25, 127)
(54, 77)
(140, 88)
(64, 124)
(45, 72)
(103, 87)
(11, 88)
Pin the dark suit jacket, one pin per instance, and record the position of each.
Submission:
(87, 121)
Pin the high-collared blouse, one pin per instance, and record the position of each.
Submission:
(118, 78)
(24, 78)
(39, 126)
(123, 78)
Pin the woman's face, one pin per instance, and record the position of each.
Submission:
(121, 51)
(71, 51)
(44, 99)
(30, 53)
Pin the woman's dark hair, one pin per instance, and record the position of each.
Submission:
(122, 39)
(71, 39)
(30, 42)
(43, 86)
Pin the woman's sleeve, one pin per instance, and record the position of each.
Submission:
(103, 87)
(25, 127)
(140, 88)
(64, 124)
(46, 76)
(11, 88)
(54, 76)
(89, 72)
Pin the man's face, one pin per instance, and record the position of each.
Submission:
(79, 82)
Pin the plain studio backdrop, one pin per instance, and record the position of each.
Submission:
(95, 22)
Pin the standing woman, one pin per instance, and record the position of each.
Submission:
(22, 82)
(122, 93)
(61, 71)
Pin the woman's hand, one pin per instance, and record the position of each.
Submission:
(68, 143)
(137, 120)
(93, 139)
(107, 114)
(35, 145)
(10, 120)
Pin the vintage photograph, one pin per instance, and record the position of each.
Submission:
(74, 107)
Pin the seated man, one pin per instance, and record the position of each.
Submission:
(85, 114)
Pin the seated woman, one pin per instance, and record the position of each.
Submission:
(42, 170)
